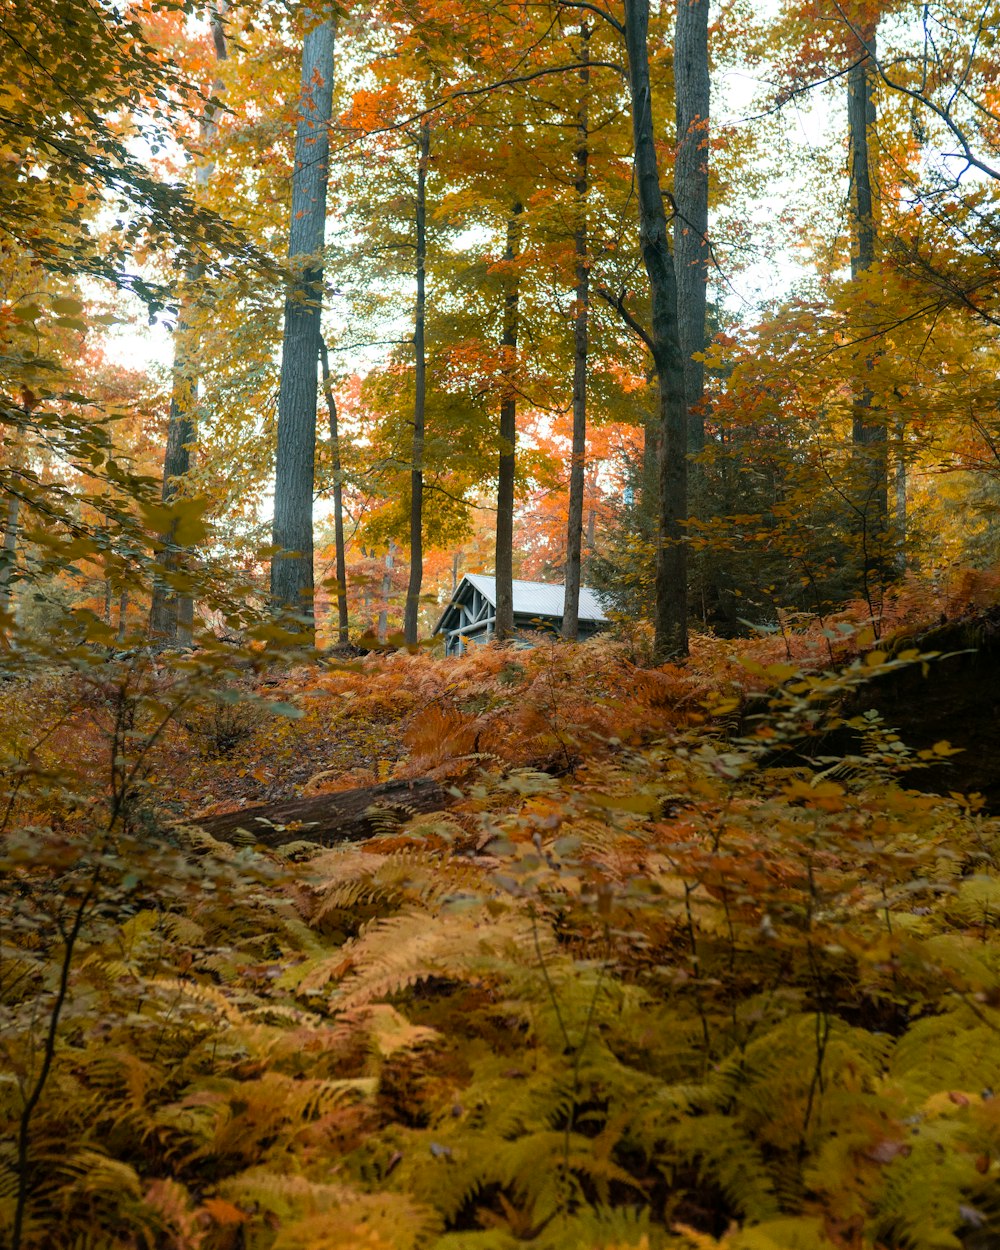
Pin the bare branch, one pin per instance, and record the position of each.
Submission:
(618, 304)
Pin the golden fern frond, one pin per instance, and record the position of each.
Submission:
(196, 841)
(439, 733)
(205, 996)
(310, 1213)
(394, 954)
(91, 1174)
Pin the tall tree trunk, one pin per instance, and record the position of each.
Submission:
(504, 566)
(692, 88)
(870, 442)
(900, 518)
(578, 456)
(383, 616)
(294, 473)
(670, 616)
(8, 553)
(123, 614)
(419, 399)
(340, 555)
(171, 613)
(165, 607)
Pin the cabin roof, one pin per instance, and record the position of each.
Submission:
(544, 599)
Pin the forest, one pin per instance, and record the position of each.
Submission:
(680, 936)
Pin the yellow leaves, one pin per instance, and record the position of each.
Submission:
(940, 750)
(182, 520)
(828, 796)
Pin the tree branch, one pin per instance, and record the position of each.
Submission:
(618, 304)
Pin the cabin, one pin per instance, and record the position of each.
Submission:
(471, 615)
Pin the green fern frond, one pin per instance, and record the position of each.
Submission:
(784, 1233)
(728, 1157)
(919, 1206)
(955, 1050)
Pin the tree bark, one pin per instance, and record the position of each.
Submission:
(692, 88)
(340, 555)
(347, 816)
(383, 616)
(504, 566)
(670, 616)
(294, 474)
(164, 609)
(869, 437)
(578, 455)
(171, 613)
(123, 614)
(419, 398)
(9, 551)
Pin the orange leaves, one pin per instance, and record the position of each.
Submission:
(222, 1212)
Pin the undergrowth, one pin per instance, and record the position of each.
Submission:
(640, 986)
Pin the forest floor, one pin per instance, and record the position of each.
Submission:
(653, 978)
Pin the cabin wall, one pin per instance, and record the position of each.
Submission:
(527, 631)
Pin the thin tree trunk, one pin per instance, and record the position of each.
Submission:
(578, 455)
(692, 88)
(419, 399)
(171, 614)
(383, 616)
(294, 474)
(504, 566)
(123, 614)
(9, 550)
(901, 497)
(164, 609)
(343, 622)
(870, 442)
(670, 617)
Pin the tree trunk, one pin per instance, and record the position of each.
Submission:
(900, 518)
(870, 443)
(670, 617)
(294, 473)
(123, 614)
(578, 455)
(9, 552)
(347, 816)
(165, 606)
(504, 566)
(692, 87)
(343, 622)
(383, 616)
(419, 399)
(171, 613)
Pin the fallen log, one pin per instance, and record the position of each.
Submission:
(328, 819)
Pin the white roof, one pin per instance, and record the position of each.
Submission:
(537, 598)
